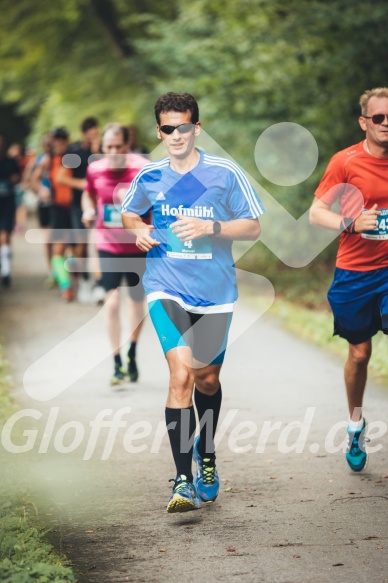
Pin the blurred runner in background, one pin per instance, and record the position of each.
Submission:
(77, 159)
(17, 153)
(107, 180)
(9, 176)
(133, 141)
(41, 185)
(61, 218)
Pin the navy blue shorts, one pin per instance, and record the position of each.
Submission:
(130, 267)
(205, 334)
(80, 235)
(359, 300)
(44, 215)
(7, 213)
(61, 224)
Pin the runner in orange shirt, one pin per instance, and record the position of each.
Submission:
(357, 177)
(61, 214)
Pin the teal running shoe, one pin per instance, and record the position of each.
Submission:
(206, 480)
(356, 455)
(183, 497)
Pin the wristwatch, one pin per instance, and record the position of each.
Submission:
(216, 228)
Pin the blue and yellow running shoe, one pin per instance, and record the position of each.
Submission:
(183, 496)
(206, 480)
(356, 455)
(118, 375)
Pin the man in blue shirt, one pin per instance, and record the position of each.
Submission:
(200, 204)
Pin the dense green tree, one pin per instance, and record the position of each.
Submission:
(67, 59)
(254, 62)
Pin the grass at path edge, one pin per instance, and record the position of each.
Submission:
(25, 554)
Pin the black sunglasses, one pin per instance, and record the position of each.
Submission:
(183, 128)
(376, 119)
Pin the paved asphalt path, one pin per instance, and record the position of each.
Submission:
(280, 516)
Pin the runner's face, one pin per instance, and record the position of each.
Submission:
(60, 146)
(376, 134)
(92, 136)
(178, 145)
(114, 147)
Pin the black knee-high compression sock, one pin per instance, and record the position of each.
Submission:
(181, 428)
(208, 408)
(132, 350)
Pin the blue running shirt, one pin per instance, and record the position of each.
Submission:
(198, 274)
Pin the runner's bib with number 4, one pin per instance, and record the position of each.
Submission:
(381, 231)
(111, 216)
(194, 249)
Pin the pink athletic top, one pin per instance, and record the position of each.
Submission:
(108, 187)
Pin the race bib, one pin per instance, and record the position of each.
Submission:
(111, 216)
(381, 232)
(195, 249)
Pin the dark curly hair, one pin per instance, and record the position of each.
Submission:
(180, 102)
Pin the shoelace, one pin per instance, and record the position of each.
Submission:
(208, 468)
(180, 486)
(357, 443)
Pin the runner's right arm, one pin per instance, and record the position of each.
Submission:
(135, 224)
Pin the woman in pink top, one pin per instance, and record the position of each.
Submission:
(107, 181)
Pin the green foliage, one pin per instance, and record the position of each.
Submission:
(24, 555)
(259, 62)
(6, 403)
(251, 63)
(60, 62)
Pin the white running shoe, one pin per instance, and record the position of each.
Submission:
(98, 295)
(84, 294)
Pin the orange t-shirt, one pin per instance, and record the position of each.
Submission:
(357, 180)
(62, 195)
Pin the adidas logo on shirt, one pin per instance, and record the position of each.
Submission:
(160, 196)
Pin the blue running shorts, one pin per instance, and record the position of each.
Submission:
(359, 300)
(205, 334)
